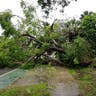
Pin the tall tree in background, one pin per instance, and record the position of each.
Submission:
(50, 5)
(88, 24)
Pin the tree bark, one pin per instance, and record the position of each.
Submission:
(32, 37)
(56, 61)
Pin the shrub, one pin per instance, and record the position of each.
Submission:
(76, 52)
(94, 62)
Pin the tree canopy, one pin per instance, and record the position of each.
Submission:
(53, 5)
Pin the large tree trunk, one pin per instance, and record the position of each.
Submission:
(53, 60)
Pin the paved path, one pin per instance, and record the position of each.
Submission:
(65, 90)
(64, 83)
(8, 78)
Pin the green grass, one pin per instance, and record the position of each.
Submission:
(34, 90)
(72, 71)
(86, 81)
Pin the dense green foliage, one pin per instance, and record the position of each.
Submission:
(88, 24)
(11, 52)
(76, 52)
(34, 42)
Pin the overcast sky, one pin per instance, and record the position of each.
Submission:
(73, 10)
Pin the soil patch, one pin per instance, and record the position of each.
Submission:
(5, 70)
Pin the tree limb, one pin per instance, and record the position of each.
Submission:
(18, 17)
(53, 60)
(57, 49)
(32, 37)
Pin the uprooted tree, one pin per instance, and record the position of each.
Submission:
(41, 43)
